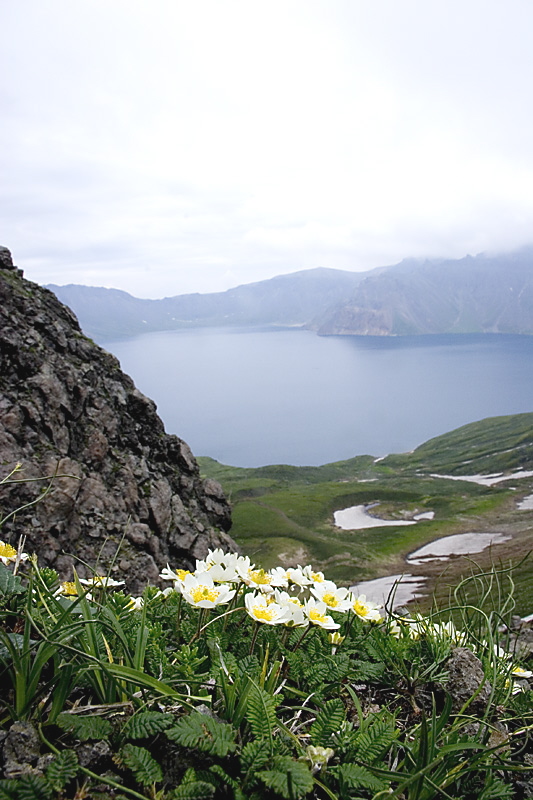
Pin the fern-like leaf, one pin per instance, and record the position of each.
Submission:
(33, 787)
(254, 756)
(62, 770)
(375, 741)
(291, 779)
(352, 776)
(328, 722)
(146, 724)
(191, 788)
(205, 733)
(145, 768)
(261, 712)
(84, 728)
(8, 789)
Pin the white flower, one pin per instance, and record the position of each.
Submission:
(263, 609)
(265, 580)
(67, 588)
(101, 581)
(365, 609)
(336, 599)
(519, 672)
(9, 554)
(314, 577)
(223, 567)
(174, 575)
(315, 612)
(298, 576)
(199, 590)
(293, 606)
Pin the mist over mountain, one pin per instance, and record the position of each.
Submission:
(293, 299)
(475, 294)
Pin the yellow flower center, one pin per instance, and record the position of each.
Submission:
(181, 573)
(360, 609)
(330, 600)
(259, 576)
(200, 593)
(69, 588)
(260, 612)
(296, 602)
(317, 577)
(7, 551)
(316, 616)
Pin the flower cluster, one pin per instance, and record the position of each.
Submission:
(271, 597)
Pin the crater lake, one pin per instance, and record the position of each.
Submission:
(251, 397)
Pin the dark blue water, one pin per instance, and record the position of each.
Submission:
(252, 397)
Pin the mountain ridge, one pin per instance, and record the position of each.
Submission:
(475, 294)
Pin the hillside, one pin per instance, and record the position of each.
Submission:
(292, 299)
(481, 294)
(284, 513)
(485, 294)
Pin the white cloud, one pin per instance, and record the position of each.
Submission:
(172, 146)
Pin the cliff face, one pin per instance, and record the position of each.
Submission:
(132, 497)
(485, 294)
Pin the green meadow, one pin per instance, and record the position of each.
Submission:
(284, 514)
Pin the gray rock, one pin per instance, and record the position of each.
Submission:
(466, 679)
(125, 493)
(21, 751)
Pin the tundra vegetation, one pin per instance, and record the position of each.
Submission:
(285, 512)
(237, 682)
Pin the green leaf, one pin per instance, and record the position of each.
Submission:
(352, 776)
(196, 790)
(143, 765)
(254, 756)
(205, 733)
(62, 770)
(261, 712)
(10, 584)
(291, 779)
(146, 724)
(84, 728)
(8, 789)
(33, 787)
(328, 722)
(376, 740)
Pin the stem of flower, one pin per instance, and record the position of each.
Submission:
(178, 618)
(254, 637)
(302, 637)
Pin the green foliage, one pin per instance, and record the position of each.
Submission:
(355, 776)
(205, 733)
(328, 722)
(193, 702)
(144, 767)
(288, 778)
(193, 789)
(85, 728)
(10, 585)
(147, 723)
(62, 770)
(261, 713)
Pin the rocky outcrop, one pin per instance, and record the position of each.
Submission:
(117, 489)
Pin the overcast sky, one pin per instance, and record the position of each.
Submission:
(171, 146)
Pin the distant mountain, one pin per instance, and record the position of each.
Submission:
(292, 299)
(482, 294)
(475, 294)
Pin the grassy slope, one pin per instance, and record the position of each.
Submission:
(284, 514)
